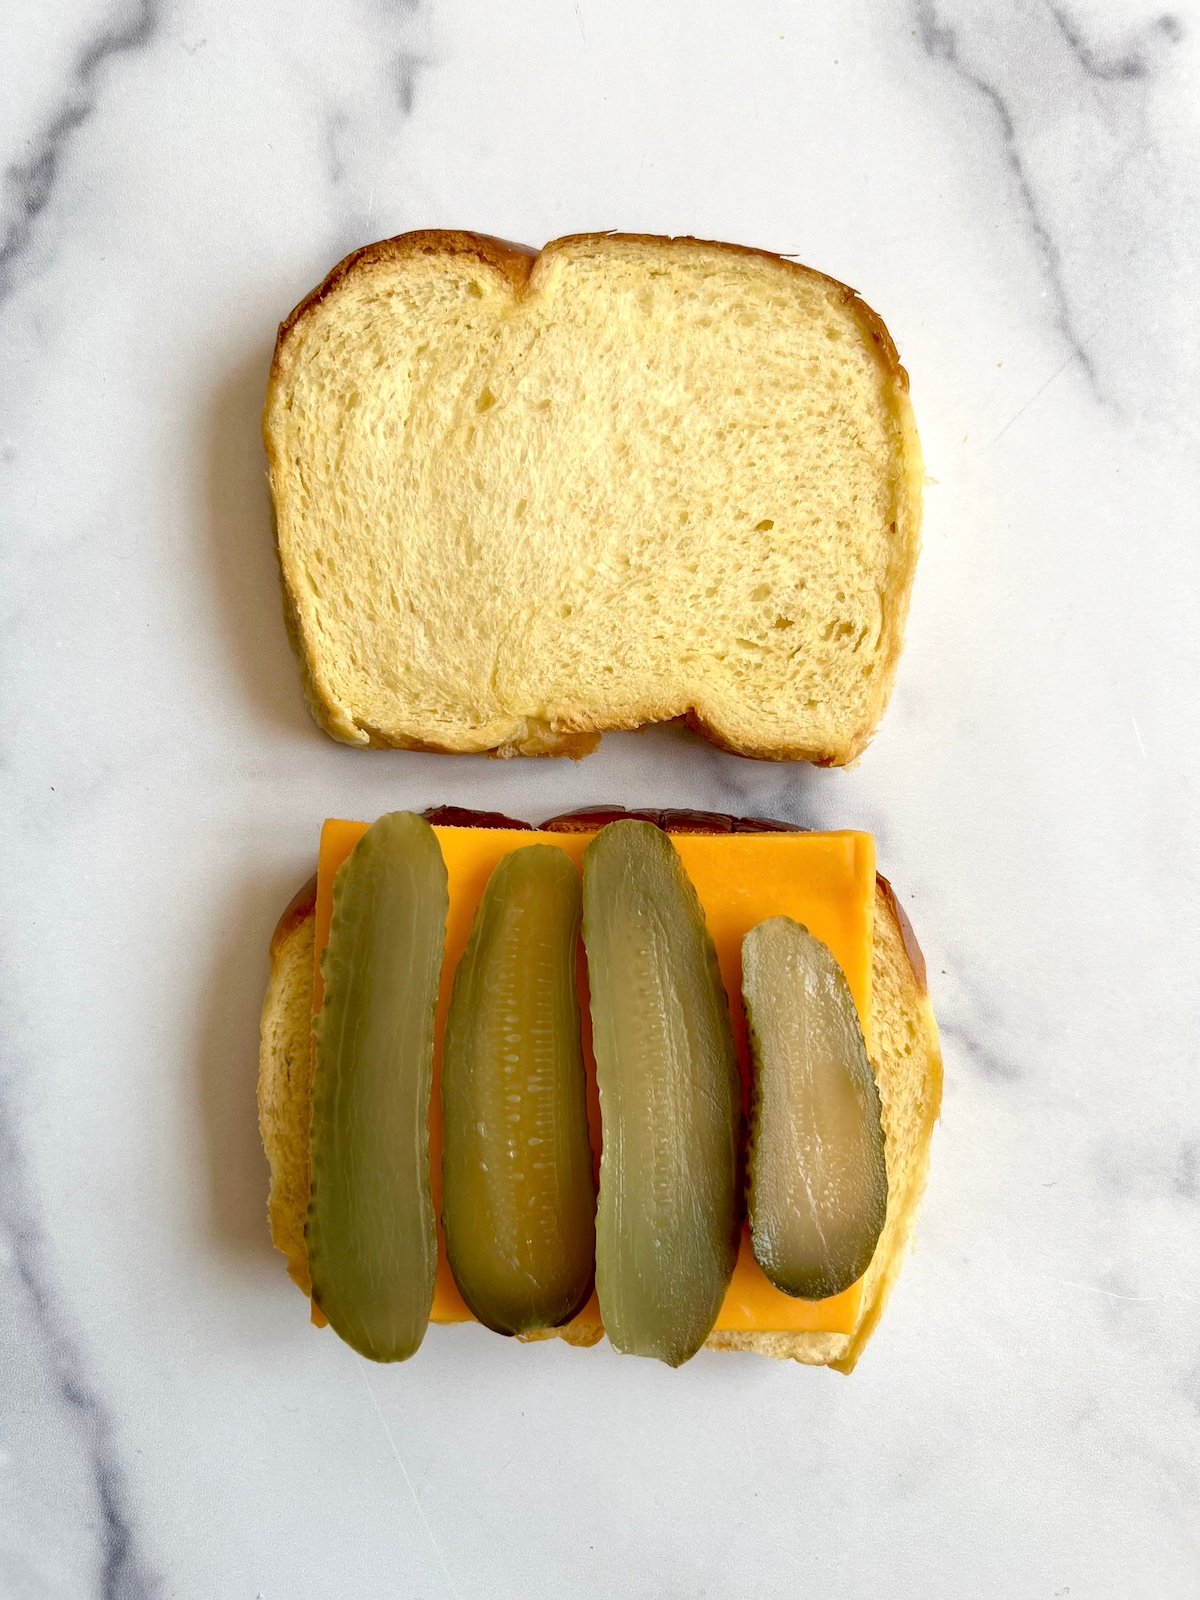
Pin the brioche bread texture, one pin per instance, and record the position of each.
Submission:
(522, 500)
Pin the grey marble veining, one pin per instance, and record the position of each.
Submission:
(30, 180)
(69, 1523)
(1071, 113)
(1015, 190)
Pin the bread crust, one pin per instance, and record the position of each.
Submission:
(299, 908)
(284, 1078)
(898, 963)
(886, 897)
(515, 261)
(521, 266)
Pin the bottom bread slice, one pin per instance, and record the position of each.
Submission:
(904, 1053)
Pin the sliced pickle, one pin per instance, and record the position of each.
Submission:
(817, 1178)
(518, 1193)
(372, 1247)
(666, 1224)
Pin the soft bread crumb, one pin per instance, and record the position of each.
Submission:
(642, 479)
(285, 1079)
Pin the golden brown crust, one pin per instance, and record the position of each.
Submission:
(466, 817)
(916, 956)
(521, 265)
(515, 261)
(911, 1104)
(299, 908)
(672, 819)
(284, 1079)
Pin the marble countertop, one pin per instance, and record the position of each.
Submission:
(1015, 189)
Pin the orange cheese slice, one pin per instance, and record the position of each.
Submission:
(824, 880)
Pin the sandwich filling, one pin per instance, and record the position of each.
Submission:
(826, 882)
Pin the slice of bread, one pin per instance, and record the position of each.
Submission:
(904, 1054)
(522, 500)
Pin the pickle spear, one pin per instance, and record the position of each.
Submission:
(666, 1223)
(818, 1179)
(372, 1247)
(518, 1194)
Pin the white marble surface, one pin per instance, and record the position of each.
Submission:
(1015, 188)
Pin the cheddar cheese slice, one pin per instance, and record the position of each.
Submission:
(824, 880)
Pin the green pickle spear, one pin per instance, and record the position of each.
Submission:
(666, 1224)
(817, 1174)
(372, 1245)
(518, 1192)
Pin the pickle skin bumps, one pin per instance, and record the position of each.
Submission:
(817, 1190)
(667, 1217)
(371, 1240)
(518, 1192)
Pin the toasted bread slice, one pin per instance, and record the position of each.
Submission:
(522, 500)
(904, 1054)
